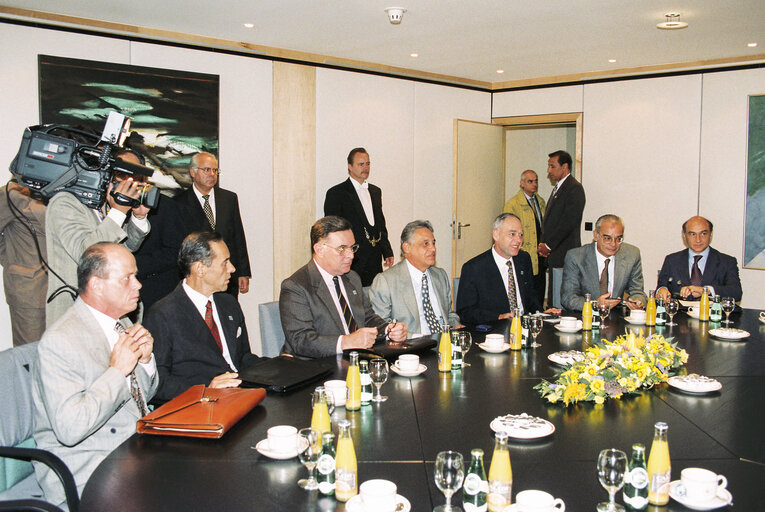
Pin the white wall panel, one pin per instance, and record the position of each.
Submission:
(555, 100)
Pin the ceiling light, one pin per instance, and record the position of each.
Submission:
(249, 25)
(611, 60)
(752, 45)
(415, 54)
(500, 71)
(672, 22)
(395, 14)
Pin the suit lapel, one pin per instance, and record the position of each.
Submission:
(685, 272)
(190, 316)
(356, 202)
(620, 273)
(355, 301)
(229, 331)
(403, 281)
(710, 269)
(590, 265)
(322, 292)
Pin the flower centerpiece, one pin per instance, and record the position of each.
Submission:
(611, 369)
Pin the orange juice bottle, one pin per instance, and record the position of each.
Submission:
(500, 476)
(320, 417)
(445, 350)
(353, 382)
(650, 308)
(659, 468)
(587, 313)
(346, 468)
(516, 330)
(704, 306)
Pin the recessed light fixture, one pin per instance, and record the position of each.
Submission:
(500, 71)
(672, 22)
(611, 60)
(752, 45)
(414, 54)
(249, 25)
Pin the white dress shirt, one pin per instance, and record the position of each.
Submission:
(331, 286)
(503, 271)
(416, 276)
(200, 302)
(602, 263)
(362, 190)
(119, 218)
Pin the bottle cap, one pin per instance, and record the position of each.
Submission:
(476, 452)
(637, 447)
(343, 423)
(661, 426)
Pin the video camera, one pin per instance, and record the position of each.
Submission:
(49, 164)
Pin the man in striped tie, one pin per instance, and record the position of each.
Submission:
(323, 307)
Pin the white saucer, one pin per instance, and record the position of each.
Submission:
(694, 314)
(264, 449)
(522, 426)
(695, 384)
(512, 508)
(634, 321)
(570, 329)
(722, 499)
(484, 347)
(566, 358)
(408, 373)
(356, 505)
(729, 333)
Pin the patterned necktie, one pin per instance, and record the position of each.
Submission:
(604, 278)
(208, 211)
(135, 388)
(210, 321)
(347, 314)
(512, 295)
(427, 307)
(696, 271)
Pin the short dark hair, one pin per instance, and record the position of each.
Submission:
(92, 263)
(197, 247)
(353, 153)
(563, 157)
(133, 152)
(409, 229)
(326, 225)
(711, 228)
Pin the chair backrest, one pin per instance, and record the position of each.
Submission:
(455, 286)
(271, 333)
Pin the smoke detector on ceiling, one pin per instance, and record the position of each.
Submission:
(672, 22)
(395, 14)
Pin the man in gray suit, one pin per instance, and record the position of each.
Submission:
(415, 291)
(606, 269)
(94, 375)
(323, 308)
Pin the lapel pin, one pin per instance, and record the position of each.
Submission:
(231, 318)
(354, 292)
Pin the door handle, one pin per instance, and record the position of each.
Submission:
(459, 229)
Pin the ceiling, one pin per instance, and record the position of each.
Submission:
(458, 41)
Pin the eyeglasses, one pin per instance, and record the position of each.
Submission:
(609, 239)
(343, 248)
(208, 170)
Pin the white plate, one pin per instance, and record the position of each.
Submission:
(570, 329)
(356, 505)
(264, 449)
(634, 321)
(408, 373)
(566, 358)
(729, 333)
(722, 499)
(695, 384)
(689, 303)
(522, 426)
(484, 347)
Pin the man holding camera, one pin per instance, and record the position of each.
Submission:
(72, 227)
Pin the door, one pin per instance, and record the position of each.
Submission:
(478, 188)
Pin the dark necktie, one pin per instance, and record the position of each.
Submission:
(512, 294)
(696, 271)
(208, 211)
(552, 197)
(135, 388)
(347, 313)
(427, 307)
(604, 278)
(210, 321)
(537, 215)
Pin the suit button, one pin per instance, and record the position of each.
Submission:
(113, 430)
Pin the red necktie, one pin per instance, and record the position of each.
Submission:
(210, 321)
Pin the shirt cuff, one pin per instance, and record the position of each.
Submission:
(151, 367)
(339, 347)
(142, 224)
(117, 216)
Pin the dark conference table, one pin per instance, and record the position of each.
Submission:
(399, 439)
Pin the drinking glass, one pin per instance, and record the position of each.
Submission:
(672, 306)
(378, 370)
(728, 305)
(309, 447)
(465, 341)
(612, 467)
(449, 473)
(535, 326)
(603, 309)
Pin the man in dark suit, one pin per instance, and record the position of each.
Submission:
(200, 333)
(323, 308)
(686, 272)
(497, 281)
(207, 207)
(360, 203)
(562, 219)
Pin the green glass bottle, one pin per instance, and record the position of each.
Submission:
(366, 383)
(635, 492)
(715, 310)
(476, 485)
(325, 467)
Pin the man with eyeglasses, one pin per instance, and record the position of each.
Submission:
(607, 269)
(207, 207)
(686, 272)
(323, 308)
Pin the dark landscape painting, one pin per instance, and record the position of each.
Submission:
(754, 231)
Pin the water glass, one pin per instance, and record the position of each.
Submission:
(603, 309)
(672, 306)
(612, 468)
(308, 447)
(449, 474)
(728, 305)
(535, 326)
(378, 371)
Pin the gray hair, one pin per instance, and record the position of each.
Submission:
(607, 217)
(501, 219)
(93, 262)
(197, 247)
(409, 229)
(195, 158)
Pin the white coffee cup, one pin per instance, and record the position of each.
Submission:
(538, 501)
(638, 315)
(693, 312)
(408, 362)
(569, 322)
(378, 495)
(762, 315)
(494, 341)
(282, 438)
(338, 389)
(700, 485)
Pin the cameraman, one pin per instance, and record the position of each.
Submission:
(72, 227)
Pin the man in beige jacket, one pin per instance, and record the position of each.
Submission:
(530, 207)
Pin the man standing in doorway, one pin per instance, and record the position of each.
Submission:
(562, 219)
(360, 203)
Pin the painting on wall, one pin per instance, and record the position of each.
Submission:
(174, 113)
(754, 229)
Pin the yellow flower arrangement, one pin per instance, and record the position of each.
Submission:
(611, 369)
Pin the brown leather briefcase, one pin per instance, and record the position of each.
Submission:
(201, 412)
